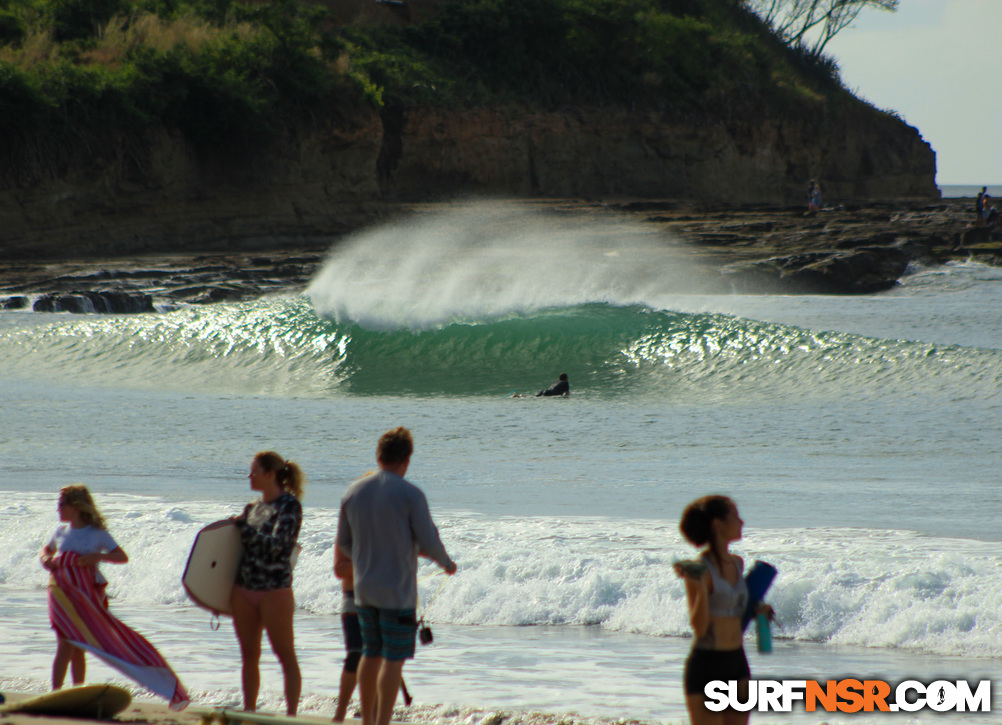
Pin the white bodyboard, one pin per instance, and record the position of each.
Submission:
(212, 566)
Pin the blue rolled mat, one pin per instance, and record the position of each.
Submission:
(759, 579)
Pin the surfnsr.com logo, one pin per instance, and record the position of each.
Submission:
(849, 696)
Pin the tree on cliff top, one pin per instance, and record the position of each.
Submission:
(797, 20)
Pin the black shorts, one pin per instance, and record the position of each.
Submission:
(706, 665)
(352, 632)
(352, 641)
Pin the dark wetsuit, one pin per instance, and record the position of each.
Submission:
(561, 387)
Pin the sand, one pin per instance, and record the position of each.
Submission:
(137, 712)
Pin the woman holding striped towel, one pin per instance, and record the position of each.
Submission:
(78, 605)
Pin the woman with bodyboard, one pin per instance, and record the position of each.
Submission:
(262, 596)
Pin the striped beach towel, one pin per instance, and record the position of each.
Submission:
(78, 610)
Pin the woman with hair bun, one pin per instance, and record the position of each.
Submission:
(717, 595)
(262, 596)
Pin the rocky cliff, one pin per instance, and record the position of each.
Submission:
(863, 155)
(158, 195)
(749, 249)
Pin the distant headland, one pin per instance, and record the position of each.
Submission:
(156, 127)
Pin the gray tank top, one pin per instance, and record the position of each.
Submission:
(727, 600)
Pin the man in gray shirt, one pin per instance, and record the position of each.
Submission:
(383, 527)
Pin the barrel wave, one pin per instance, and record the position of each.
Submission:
(283, 347)
(486, 300)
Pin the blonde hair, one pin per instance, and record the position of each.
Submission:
(288, 475)
(79, 497)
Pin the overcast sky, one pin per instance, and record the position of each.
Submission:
(938, 64)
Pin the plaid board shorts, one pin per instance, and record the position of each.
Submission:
(388, 633)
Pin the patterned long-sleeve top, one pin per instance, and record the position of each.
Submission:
(269, 532)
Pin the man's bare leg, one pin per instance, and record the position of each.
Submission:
(368, 694)
(390, 675)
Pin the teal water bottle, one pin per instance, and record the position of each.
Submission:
(762, 628)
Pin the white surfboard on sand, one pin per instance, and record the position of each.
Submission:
(212, 566)
(93, 701)
(232, 716)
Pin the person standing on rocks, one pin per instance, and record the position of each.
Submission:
(989, 214)
(979, 206)
(813, 197)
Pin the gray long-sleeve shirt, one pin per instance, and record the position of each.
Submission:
(383, 525)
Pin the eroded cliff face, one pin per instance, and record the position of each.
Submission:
(159, 195)
(601, 154)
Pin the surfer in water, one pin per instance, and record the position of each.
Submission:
(82, 532)
(717, 596)
(561, 387)
(262, 597)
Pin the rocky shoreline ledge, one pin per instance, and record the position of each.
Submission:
(850, 249)
(749, 249)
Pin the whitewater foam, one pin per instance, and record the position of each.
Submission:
(894, 589)
(487, 262)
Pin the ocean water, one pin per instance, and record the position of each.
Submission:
(859, 436)
(959, 191)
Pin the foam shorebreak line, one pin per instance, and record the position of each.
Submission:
(875, 588)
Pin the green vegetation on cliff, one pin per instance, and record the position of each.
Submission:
(679, 56)
(95, 74)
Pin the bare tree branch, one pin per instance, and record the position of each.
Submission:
(797, 20)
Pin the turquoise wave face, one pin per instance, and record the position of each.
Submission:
(283, 347)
